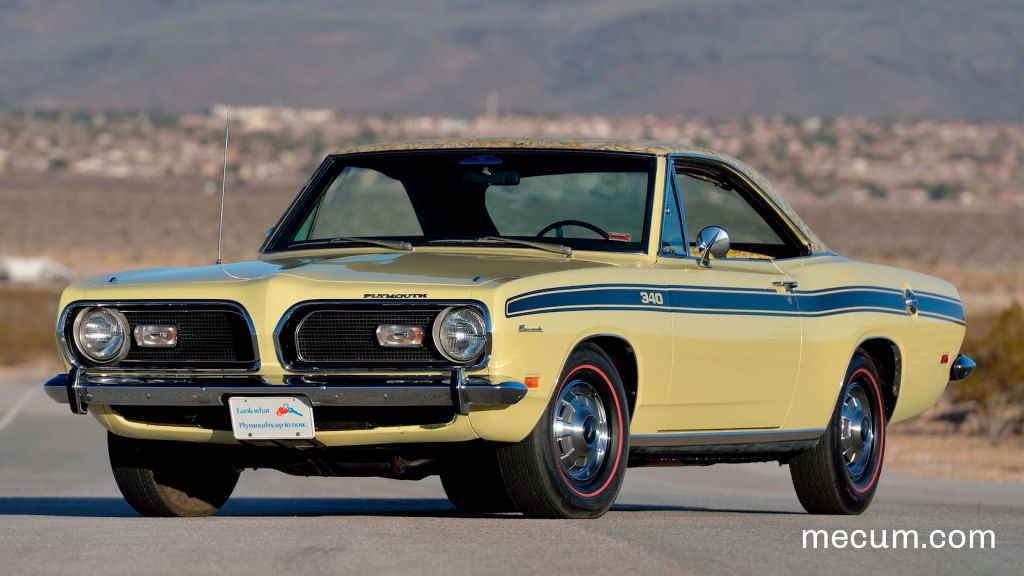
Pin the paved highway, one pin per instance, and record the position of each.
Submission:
(60, 513)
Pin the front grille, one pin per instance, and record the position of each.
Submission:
(210, 335)
(203, 336)
(335, 335)
(343, 335)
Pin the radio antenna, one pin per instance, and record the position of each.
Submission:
(223, 181)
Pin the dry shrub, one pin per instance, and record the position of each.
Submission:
(995, 394)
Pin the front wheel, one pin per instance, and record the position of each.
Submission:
(170, 478)
(840, 474)
(573, 462)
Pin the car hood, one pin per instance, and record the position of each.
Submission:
(386, 269)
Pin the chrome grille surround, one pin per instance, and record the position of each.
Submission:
(220, 336)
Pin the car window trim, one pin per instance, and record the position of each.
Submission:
(672, 187)
(275, 244)
(795, 236)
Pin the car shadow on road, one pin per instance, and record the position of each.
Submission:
(247, 507)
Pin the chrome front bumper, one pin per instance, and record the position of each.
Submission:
(79, 389)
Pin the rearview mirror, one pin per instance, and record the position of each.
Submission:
(497, 178)
(712, 241)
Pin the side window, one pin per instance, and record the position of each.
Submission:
(671, 227)
(710, 199)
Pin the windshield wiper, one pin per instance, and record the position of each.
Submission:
(391, 244)
(553, 248)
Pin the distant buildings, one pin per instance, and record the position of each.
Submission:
(852, 158)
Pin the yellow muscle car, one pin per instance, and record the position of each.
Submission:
(525, 318)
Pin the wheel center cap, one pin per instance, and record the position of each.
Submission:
(589, 430)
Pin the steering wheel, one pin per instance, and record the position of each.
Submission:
(580, 223)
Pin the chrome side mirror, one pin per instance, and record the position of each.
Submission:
(712, 241)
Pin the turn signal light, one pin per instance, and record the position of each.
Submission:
(531, 381)
(156, 335)
(400, 336)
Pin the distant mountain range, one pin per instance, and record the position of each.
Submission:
(878, 58)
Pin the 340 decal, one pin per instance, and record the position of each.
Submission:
(652, 298)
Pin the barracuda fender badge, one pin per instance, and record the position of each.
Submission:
(525, 328)
(406, 296)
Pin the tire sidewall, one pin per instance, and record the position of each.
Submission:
(596, 496)
(857, 498)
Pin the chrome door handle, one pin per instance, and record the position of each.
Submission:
(787, 285)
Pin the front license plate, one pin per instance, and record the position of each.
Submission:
(271, 417)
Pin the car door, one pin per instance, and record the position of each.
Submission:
(737, 333)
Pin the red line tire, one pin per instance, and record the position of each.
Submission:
(170, 478)
(840, 474)
(573, 462)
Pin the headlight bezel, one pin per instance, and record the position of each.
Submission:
(123, 325)
(484, 334)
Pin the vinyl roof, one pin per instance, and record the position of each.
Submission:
(596, 144)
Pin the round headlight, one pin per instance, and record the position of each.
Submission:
(101, 334)
(460, 334)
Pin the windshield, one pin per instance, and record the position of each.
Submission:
(586, 201)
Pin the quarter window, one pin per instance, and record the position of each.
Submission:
(671, 228)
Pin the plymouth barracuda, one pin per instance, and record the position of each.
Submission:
(526, 319)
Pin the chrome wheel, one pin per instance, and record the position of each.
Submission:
(856, 430)
(580, 430)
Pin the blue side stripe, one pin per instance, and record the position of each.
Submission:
(941, 306)
(737, 301)
(852, 288)
(640, 287)
(862, 298)
(714, 289)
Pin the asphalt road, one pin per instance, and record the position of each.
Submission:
(60, 513)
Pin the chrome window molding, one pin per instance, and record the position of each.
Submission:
(69, 356)
(271, 247)
(415, 367)
(672, 187)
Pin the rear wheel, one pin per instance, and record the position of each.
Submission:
(840, 474)
(472, 481)
(573, 462)
(170, 478)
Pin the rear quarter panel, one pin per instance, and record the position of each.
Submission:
(831, 340)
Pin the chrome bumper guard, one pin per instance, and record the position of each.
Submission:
(79, 389)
